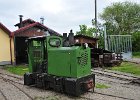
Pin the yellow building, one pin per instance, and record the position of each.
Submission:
(6, 46)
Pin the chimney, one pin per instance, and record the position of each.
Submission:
(71, 37)
(20, 19)
(65, 36)
(42, 20)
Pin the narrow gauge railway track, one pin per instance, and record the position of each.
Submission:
(11, 80)
(12, 83)
(114, 75)
(109, 81)
(11, 76)
(122, 83)
(83, 97)
(88, 98)
(113, 72)
(133, 80)
(4, 96)
(109, 95)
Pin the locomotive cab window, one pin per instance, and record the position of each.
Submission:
(36, 43)
(54, 42)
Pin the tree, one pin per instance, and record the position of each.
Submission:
(90, 31)
(122, 18)
(84, 30)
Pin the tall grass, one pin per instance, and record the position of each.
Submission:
(18, 70)
(128, 67)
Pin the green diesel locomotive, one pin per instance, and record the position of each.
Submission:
(63, 69)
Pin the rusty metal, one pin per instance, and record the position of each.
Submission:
(99, 56)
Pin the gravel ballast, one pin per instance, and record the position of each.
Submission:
(117, 90)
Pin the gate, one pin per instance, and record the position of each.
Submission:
(120, 44)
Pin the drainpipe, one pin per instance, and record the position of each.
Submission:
(15, 50)
(11, 51)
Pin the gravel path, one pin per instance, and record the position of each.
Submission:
(135, 60)
(118, 90)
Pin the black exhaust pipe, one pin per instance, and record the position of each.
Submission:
(20, 19)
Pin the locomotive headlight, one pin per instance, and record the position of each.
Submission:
(77, 41)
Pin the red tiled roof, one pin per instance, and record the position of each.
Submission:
(32, 25)
(24, 21)
(5, 29)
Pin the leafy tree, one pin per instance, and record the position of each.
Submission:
(90, 31)
(122, 18)
(84, 30)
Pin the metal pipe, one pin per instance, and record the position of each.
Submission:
(20, 19)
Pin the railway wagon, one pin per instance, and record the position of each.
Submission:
(62, 69)
(99, 56)
(105, 58)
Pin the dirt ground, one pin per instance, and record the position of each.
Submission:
(135, 60)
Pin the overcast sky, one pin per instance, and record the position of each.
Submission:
(60, 15)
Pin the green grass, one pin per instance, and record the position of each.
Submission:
(18, 70)
(101, 86)
(128, 67)
(136, 54)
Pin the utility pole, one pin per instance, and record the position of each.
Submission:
(96, 21)
(96, 17)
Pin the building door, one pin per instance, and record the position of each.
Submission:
(21, 50)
